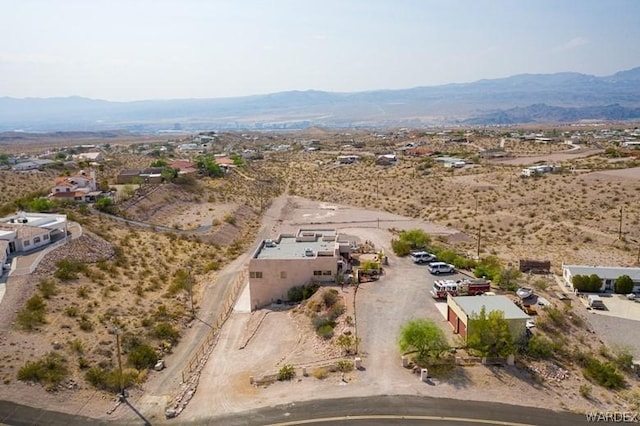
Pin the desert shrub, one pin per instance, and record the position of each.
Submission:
(320, 373)
(335, 311)
(47, 288)
(77, 346)
(71, 311)
(83, 363)
(400, 247)
(142, 356)
(489, 268)
(344, 365)
(287, 372)
(214, 265)
(603, 373)
(540, 284)
(33, 314)
(85, 323)
(164, 331)
(325, 331)
(109, 380)
(330, 297)
(556, 316)
(68, 269)
(624, 359)
(83, 292)
(300, 293)
(230, 219)
(585, 391)
(49, 371)
(540, 347)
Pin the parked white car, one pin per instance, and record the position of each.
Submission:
(437, 268)
(422, 257)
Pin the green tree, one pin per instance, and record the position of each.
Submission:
(169, 174)
(104, 204)
(623, 285)
(424, 337)
(507, 278)
(489, 268)
(417, 238)
(490, 335)
(128, 190)
(587, 283)
(40, 205)
(159, 163)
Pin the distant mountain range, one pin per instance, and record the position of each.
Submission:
(524, 98)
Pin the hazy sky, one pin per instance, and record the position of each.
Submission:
(164, 49)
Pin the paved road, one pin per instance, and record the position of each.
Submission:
(377, 410)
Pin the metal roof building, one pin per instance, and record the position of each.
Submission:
(462, 309)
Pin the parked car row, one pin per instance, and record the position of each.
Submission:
(434, 267)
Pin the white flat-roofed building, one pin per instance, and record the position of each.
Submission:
(608, 275)
(310, 255)
(27, 231)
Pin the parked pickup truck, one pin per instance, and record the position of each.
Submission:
(595, 302)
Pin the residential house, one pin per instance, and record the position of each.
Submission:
(608, 275)
(185, 167)
(80, 187)
(310, 255)
(127, 176)
(539, 169)
(462, 309)
(27, 231)
(94, 157)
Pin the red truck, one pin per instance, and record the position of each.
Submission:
(466, 287)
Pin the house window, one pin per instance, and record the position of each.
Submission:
(26, 243)
(45, 237)
(36, 240)
(317, 273)
(283, 274)
(326, 273)
(255, 274)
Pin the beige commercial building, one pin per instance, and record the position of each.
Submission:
(462, 309)
(310, 255)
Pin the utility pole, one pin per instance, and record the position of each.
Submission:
(479, 234)
(116, 331)
(620, 227)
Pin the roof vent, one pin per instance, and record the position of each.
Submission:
(269, 243)
(308, 252)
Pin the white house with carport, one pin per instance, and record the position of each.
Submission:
(27, 231)
(608, 275)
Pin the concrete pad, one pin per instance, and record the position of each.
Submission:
(243, 304)
(442, 308)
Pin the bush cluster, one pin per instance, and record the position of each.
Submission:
(33, 314)
(603, 373)
(68, 269)
(300, 293)
(287, 372)
(49, 371)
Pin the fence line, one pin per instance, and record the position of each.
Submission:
(207, 344)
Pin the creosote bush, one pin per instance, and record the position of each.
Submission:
(287, 372)
(49, 371)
